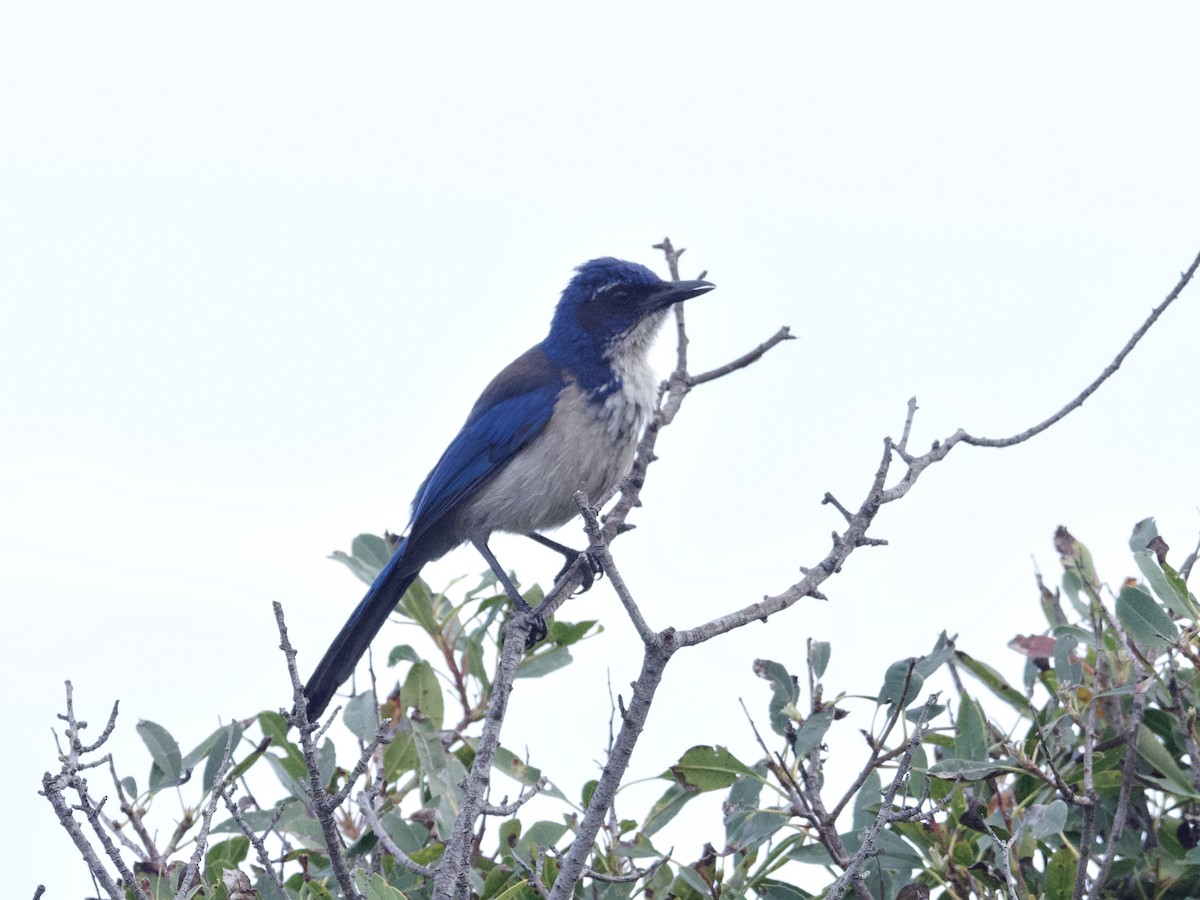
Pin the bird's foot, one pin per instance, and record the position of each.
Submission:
(537, 624)
(590, 570)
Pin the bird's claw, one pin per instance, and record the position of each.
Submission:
(589, 571)
(537, 630)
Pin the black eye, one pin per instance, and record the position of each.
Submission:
(620, 296)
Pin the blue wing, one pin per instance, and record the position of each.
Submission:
(510, 413)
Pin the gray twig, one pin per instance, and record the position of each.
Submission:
(366, 803)
(527, 794)
(260, 848)
(598, 550)
(886, 813)
(193, 866)
(629, 877)
(322, 806)
(1128, 766)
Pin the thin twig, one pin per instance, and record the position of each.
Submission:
(598, 550)
(260, 848)
(783, 334)
(527, 794)
(1184, 278)
(193, 866)
(886, 815)
(317, 793)
(383, 735)
(629, 877)
(1128, 767)
(366, 804)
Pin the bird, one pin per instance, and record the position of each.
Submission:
(564, 416)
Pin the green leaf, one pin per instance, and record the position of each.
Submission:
(201, 750)
(746, 825)
(1083, 635)
(373, 550)
(417, 604)
(542, 834)
(217, 753)
(969, 740)
(1073, 586)
(932, 661)
(167, 768)
(868, 801)
(444, 775)
(1166, 583)
(1144, 619)
(225, 855)
(361, 715)
(1045, 821)
(422, 693)
(1157, 755)
(694, 880)
(901, 684)
(379, 889)
(810, 854)
(1059, 882)
(820, 657)
(1143, 533)
(812, 731)
(780, 890)
(1067, 671)
(565, 633)
(402, 653)
(544, 662)
(704, 768)
(666, 808)
(401, 754)
(993, 681)
(275, 727)
(368, 554)
(514, 767)
(589, 791)
(784, 693)
(969, 769)
(916, 712)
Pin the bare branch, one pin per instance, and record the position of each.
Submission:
(886, 813)
(508, 809)
(1128, 768)
(654, 662)
(193, 866)
(452, 876)
(322, 806)
(629, 877)
(260, 848)
(366, 803)
(383, 735)
(783, 334)
(598, 549)
(1112, 367)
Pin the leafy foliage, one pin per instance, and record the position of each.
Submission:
(1099, 774)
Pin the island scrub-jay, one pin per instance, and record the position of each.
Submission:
(565, 416)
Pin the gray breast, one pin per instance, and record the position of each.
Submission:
(588, 445)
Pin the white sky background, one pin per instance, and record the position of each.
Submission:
(258, 260)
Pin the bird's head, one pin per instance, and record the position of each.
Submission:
(612, 306)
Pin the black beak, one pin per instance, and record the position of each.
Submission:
(676, 291)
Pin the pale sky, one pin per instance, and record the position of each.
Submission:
(259, 260)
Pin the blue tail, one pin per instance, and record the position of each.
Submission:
(364, 623)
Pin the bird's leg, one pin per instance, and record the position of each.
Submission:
(538, 629)
(591, 568)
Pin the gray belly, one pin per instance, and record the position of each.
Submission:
(584, 447)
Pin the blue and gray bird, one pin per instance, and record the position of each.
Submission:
(565, 416)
